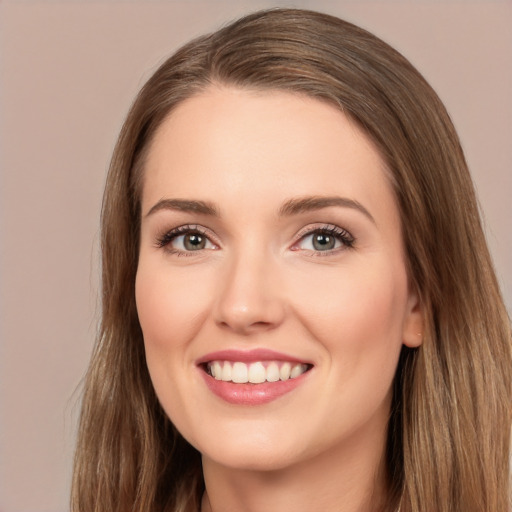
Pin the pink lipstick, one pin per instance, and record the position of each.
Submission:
(252, 377)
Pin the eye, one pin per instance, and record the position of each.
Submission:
(186, 239)
(191, 242)
(325, 239)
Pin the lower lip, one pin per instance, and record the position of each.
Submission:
(251, 394)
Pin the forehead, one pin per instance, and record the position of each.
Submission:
(227, 141)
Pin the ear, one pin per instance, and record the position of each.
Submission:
(412, 333)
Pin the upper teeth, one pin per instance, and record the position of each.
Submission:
(255, 373)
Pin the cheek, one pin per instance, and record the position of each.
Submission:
(170, 308)
(171, 312)
(357, 315)
(357, 319)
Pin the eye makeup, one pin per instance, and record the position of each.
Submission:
(318, 239)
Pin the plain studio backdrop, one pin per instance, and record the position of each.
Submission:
(69, 71)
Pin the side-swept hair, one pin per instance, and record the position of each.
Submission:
(449, 432)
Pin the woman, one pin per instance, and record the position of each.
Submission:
(299, 308)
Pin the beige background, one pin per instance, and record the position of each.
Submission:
(69, 71)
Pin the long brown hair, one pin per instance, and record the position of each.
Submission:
(449, 432)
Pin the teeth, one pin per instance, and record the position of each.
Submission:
(296, 371)
(272, 372)
(226, 372)
(284, 373)
(239, 373)
(255, 373)
(217, 370)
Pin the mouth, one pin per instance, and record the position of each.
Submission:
(257, 372)
(252, 377)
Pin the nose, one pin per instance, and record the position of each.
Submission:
(250, 297)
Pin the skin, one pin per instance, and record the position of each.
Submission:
(259, 282)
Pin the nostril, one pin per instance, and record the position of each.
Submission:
(246, 327)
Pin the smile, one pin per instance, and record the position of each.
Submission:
(252, 377)
(256, 372)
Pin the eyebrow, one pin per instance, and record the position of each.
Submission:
(185, 205)
(311, 203)
(291, 207)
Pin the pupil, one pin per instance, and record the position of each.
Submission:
(194, 241)
(323, 242)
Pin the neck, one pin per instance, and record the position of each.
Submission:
(351, 478)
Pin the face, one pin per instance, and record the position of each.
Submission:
(271, 289)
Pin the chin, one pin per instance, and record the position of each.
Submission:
(250, 451)
(243, 459)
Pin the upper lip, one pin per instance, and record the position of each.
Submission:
(249, 356)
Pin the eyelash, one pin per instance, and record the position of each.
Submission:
(346, 239)
(164, 241)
